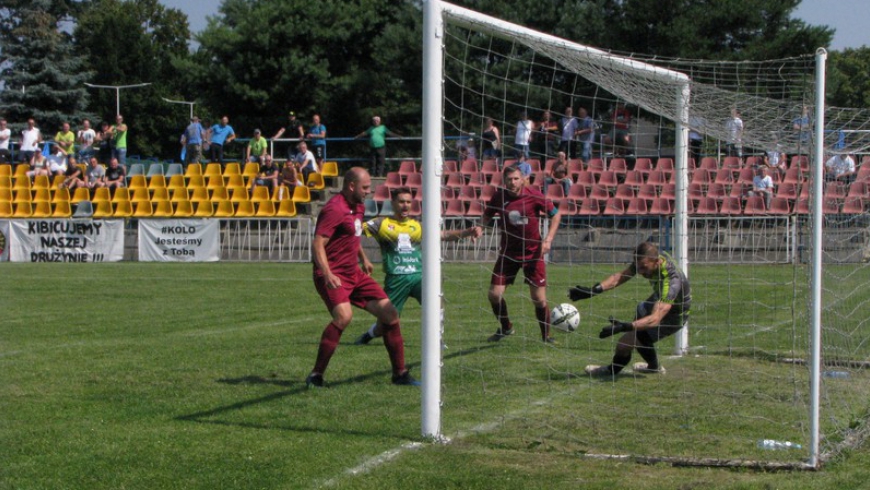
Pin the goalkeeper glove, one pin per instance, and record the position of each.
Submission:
(581, 292)
(615, 327)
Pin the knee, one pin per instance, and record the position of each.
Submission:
(494, 297)
(387, 314)
(341, 320)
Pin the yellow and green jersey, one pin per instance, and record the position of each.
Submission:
(400, 244)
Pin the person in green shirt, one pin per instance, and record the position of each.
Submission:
(256, 148)
(65, 140)
(118, 133)
(377, 135)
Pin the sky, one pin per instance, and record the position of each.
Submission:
(851, 18)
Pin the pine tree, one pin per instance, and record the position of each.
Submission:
(41, 73)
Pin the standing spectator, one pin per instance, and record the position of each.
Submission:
(294, 130)
(734, 129)
(696, 138)
(191, 140)
(116, 175)
(119, 140)
(491, 140)
(377, 134)
(95, 174)
(31, 137)
(840, 168)
(559, 174)
(317, 137)
(568, 128)
(342, 284)
(5, 134)
(548, 134)
(521, 247)
(762, 185)
(523, 136)
(256, 148)
(802, 127)
(65, 140)
(220, 135)
(73, 176)
(39, 165)
(104, 140)
(268, 175)
(305, 161)
(621, 119)
(585, 134)
(85, 138)
(663, 314)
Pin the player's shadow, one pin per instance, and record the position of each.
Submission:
(212, 416)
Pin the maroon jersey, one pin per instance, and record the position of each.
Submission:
(521, 232)
(341, 222)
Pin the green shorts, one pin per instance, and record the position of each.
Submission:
(400, 287)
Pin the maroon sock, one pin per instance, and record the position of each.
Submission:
(328, 343)
(543, 315)
(395, 347)
(501, 313)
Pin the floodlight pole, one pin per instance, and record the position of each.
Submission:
(117, 89)
(191, 104)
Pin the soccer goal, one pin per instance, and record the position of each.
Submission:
(770, 371)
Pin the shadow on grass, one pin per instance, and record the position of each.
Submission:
(298, 387)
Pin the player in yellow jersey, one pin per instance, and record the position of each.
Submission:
(399, 237)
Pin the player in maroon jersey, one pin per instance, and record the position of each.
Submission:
(342, 284)
(522, 247)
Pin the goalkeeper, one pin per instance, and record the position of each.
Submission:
(399, 237)
(662, 314)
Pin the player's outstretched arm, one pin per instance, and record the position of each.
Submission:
(578, 293)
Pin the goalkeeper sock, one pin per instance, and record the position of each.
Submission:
(619, 362)
(395, 347)
(648, 352)
(501, 312)
(543, 316)
(328, 343)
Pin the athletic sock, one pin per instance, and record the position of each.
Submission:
(619, 362)
(501, 313)
(371, 331)
(395, 347)
(648, 352)
(328, 343)
(543, 315)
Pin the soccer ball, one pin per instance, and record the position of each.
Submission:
(565, 317)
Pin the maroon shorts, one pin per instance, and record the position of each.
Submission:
(505, 271)
(357, 290)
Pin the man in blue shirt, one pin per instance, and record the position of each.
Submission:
(219, 136)
(317, 137)
(192, 141)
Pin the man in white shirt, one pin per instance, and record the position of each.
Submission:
(31, 137)
(305, 160)
(762, 185)
(5, 134)
(524, 136)
(840, 168)
(85, 139)
(734, 127)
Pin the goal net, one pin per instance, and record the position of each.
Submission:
(667, 163)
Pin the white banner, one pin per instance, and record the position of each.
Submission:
(66, 240)
(179, 240)
(4, 241)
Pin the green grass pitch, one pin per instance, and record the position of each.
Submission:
(177, 376)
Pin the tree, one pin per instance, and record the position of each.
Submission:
(41, 72)
(849, 78)
(137, 41)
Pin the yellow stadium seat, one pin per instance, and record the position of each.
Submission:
(183, 209)
(21, 183)
(232, 169)
(22, 196)
(245, 209)
(61, 195)
(121, 195)
(193, 170)
(42, 209)
(161, 194)
(41, 195)
(5, 182)
(220, 194)
(199, 194)
(140, 195)
(286, 209)
(261, 194)
(6, 210)
(214, 182)
(330, 169)
(176, 182)
(196, 181)
(81, 194)
(5, 170)
(103, 209)
(204, 209)
(21, 170)
(224, 209)
(157, 182)
(213, 170)
(179, 195)
(239, 194)
(252, 169)
(265, 209)
(143, 209)
(282, 194)
(62, 209)
(236, 180)
(301, 194)
(23, 209)
(163, 210)
(5, 194)
(315, 181)
(138, 182)
(57, 181)
(102, 194)
(123, 209)
(41, 182)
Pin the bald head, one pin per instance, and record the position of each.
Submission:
(357, 183)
